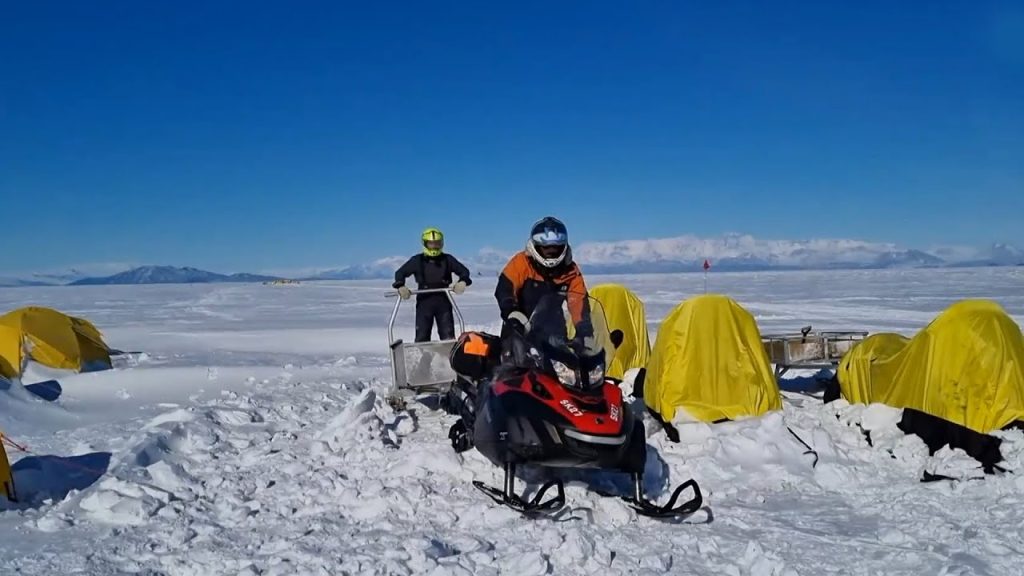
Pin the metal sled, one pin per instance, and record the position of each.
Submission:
(420, 367)
(809, 350)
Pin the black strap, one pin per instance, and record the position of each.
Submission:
(810, 450)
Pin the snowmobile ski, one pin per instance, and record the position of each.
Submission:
(645, 507)
(536, 505)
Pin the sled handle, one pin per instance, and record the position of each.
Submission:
(394, 293)
(398, 304)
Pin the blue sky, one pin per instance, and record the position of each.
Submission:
(288, 135)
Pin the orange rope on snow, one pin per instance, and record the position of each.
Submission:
(7, 440)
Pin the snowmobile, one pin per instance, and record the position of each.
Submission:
(540, 397)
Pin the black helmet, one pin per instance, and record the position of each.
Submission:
(549, 242)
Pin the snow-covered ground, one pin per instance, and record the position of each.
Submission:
(247, 433)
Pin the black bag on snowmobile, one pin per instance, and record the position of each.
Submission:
(475, 355)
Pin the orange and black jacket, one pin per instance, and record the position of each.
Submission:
(523, 283)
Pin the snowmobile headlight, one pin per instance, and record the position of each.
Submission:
(566, 375)
(596, 375)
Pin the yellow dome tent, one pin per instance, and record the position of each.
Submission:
(6, 477)
(10, 352)
(708, 360)
(966, 367)
(624, 311)
(51, 338)
(858, 361)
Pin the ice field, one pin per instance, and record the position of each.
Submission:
(246, 432)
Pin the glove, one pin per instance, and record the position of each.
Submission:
(404, 292)
(518, 321)
(459, 287)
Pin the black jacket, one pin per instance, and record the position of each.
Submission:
(432, 272)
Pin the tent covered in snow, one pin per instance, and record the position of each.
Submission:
(50, 338)
(708, 362)
(966, 368)
(624, 311)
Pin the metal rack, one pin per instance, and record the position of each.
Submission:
(421, 367)
(808, 349)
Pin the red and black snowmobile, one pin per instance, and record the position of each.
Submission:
(540, 397)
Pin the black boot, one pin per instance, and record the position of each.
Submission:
(460, 436)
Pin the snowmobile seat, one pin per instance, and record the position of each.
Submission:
(475, 355)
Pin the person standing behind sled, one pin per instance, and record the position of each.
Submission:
(544, 267)
(433, 269)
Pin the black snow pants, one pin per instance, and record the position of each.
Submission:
(430, 309)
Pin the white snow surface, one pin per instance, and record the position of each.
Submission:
(247, 433)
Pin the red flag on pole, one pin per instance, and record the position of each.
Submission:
(707, 264)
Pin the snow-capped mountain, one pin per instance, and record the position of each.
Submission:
(377, 269)
(744, 252)
(1005, 254)
(169, 275)
(62, 276)
(487, 261)
(998, 254)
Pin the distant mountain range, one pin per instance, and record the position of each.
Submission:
(742, 252)
(486, 261)
(169, 275)
(731, 252)
(685, 253)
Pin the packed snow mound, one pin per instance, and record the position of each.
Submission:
(325, 477)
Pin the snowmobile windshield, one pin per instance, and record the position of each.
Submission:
(571, 334)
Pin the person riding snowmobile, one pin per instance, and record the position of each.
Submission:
(544, 267)
(433, 268)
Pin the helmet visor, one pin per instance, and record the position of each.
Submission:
(550, 252)
(433, 244)
(550, 236)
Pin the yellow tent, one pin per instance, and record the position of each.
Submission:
(966, 367)
(53, 339)
(6, 478)
(10, 352)
(856, 364)
(708, 360)
(625, 312)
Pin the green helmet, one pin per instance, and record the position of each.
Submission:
(433, 242)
